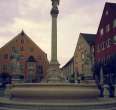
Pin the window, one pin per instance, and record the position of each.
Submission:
(98, 48)
(5, 68)
(0, 56)
(76, 60)
(13, 49)
(101, 32)
(79, 47)
(6, 56)
(108, 43)
(114, 40)
(31, 49)
(22, 68)
(108, 28)
(103, 46)
(21, 48)
(82, 56)
(22, 41)
(92, 49)
(114, 23)
(40, 69)
(107, 12)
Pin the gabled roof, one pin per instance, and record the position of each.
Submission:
(90, 38)
(21, 35)
(71, 60)
(110, 4)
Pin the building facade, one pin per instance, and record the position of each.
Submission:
(84, 56)
(105, 47)
(68, 71)
(27, 50)
(80, 66)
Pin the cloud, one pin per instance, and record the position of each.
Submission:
(34, 17)
(37, 10)
(8, 11)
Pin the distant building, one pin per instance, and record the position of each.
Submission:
(68, 70)
(81, 64)
(105, 46)
(84, 56)
(32, 58)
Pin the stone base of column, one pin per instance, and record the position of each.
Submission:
(54, 74)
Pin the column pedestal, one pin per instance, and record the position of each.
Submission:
(54, 74)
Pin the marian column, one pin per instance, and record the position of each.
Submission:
(54, 74)
(54, 14)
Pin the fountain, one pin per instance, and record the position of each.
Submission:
(54, 93)
(55, 87)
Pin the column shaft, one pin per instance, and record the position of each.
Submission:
(54, 41)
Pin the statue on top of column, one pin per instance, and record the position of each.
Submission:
(55, 3)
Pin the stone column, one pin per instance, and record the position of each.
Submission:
(54, 73)
(54, 14)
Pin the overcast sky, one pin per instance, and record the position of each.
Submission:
(33, 16)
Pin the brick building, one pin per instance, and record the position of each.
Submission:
(32, 58)
(105, 47)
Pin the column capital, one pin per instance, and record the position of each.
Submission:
(54, 12)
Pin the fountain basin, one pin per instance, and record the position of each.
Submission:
(46, 91)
